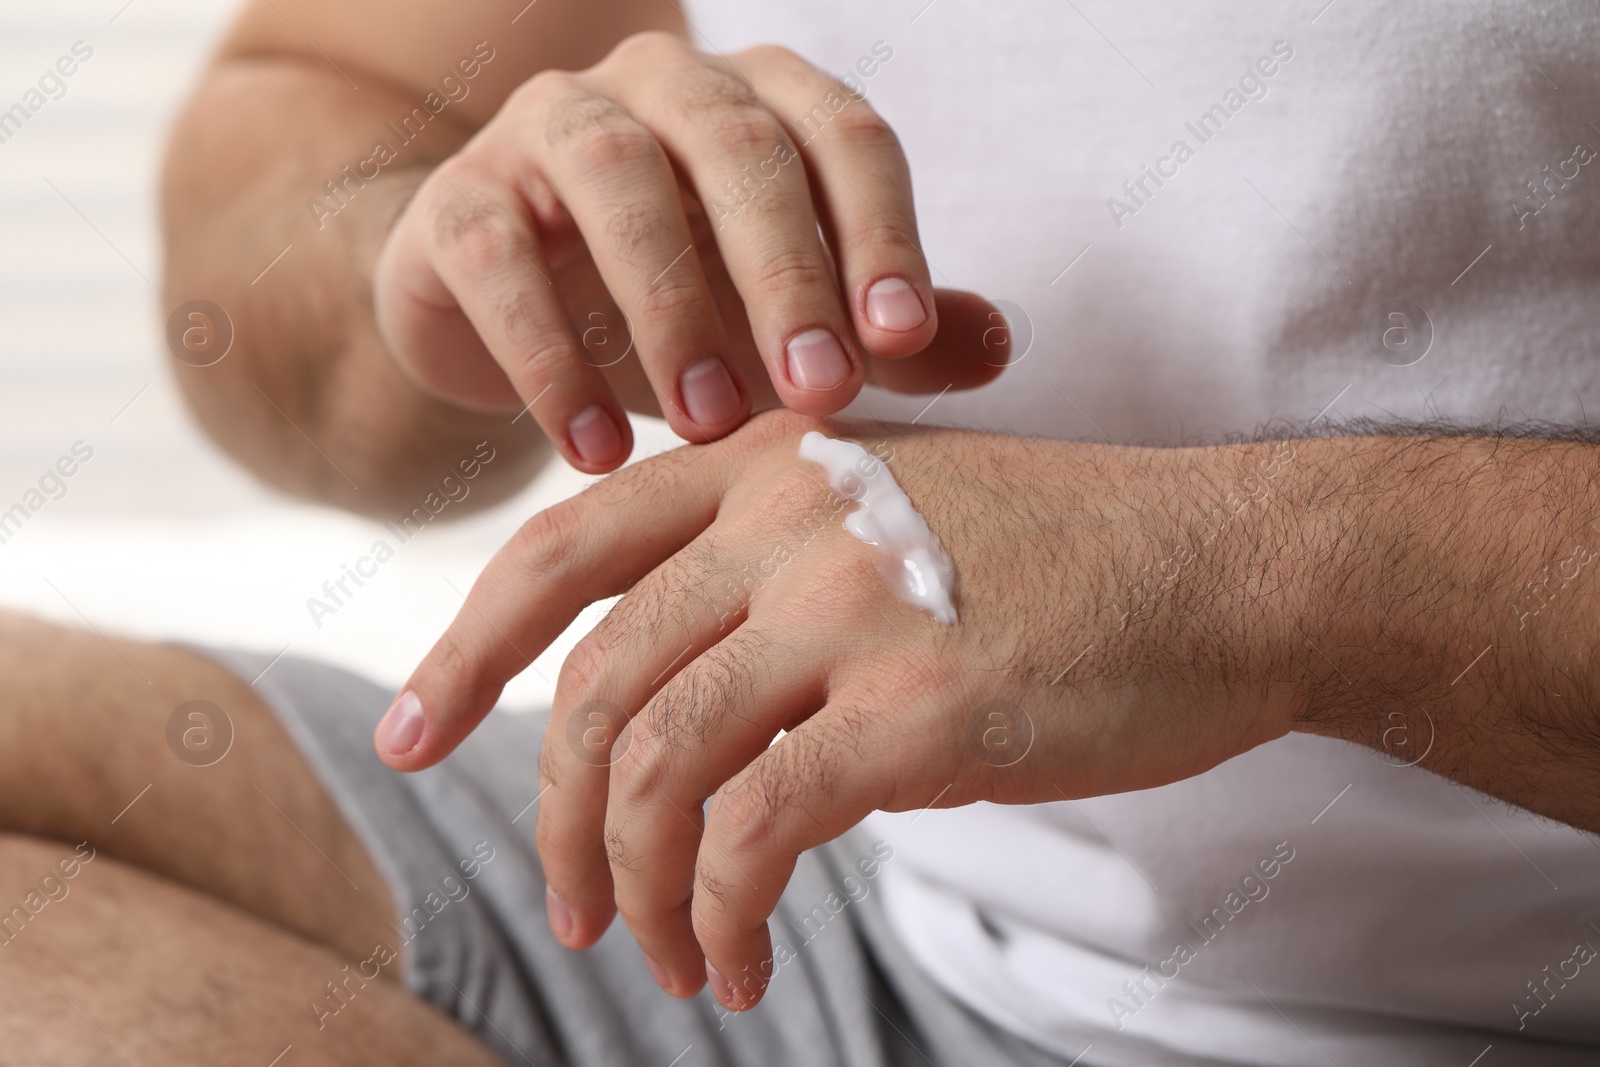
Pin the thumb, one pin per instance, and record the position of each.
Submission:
(974, 344)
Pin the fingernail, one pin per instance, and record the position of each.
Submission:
(659, 973)
(560, 915)
(401, 727)
(893, 304)
(594, 435)
(709, 394)
(720, 987)
(816, 360)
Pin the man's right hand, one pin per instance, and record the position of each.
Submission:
(743, 223)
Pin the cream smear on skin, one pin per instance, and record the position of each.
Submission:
(913, 560)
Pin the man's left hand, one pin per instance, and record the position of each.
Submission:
(749, 610)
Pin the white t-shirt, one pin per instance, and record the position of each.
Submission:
(1290, 169)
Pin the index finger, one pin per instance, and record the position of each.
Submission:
(565, 558)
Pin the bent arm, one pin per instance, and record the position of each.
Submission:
(303, 141)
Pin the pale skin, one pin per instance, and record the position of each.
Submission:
(1359, 576)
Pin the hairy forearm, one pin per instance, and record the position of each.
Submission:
(307, 396)
(1434, 613)
(1428, 596)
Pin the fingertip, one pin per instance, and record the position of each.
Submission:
(683, 987)
(893, 304)
(895, 316)
(570, 927)
(820, 373)
(581, 911)
(409, 737)
(730, 995)
(692, 987)
(598, 439)
(400, 730)
(712, 401)
(972, 347)
(745, 988)
(978, 324)
(588, 929)
(744, 967)
(817, 362)
(559, 916)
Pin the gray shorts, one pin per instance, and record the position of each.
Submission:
(455, 844)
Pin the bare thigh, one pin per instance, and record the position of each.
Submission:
(119, 966)
(84, 738)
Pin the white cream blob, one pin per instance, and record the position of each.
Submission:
(913, 560)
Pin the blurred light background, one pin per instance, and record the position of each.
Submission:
(160, 535)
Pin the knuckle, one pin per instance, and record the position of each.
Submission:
(744, 816)
(862, 129)
(581, 672)
(543, 88)
(638, 225)
(877, 234)
(675, 297)
(473, 246)
(527, 321)
(761, 214)
(803, 484)
(742, 128)
(789, 270)
(543, 354)
(477, 237)
(612, 141)
(547, 538)
(626, 621)
(579, 121)
(799, 503)
(642, 769)
(776, 427)
(698, 89)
